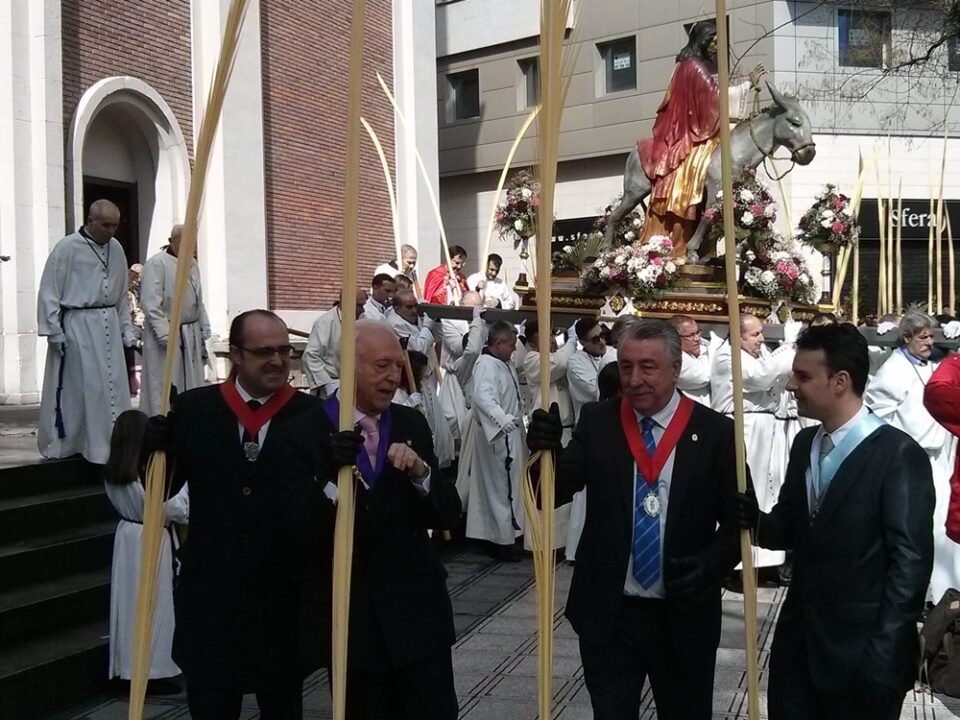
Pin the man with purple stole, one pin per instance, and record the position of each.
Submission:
(401, 620)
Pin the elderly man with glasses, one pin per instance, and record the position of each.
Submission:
(695, 371)
(896, 395)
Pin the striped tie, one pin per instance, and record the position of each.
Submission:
(646, 529)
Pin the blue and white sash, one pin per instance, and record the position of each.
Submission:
(821, 477)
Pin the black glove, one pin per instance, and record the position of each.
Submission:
(158, 435)
(546, 429)
(742, 511)
(691, 581)
(345, 446)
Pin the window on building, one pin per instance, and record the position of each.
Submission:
(864, 37)
(465, 94)
(620, 64)
(530, 70)
(953, 54)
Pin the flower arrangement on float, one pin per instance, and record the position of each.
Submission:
(516, 217)
(581, 252)
(754, 209)
(830, 223)
(643, 269)
(775, 269)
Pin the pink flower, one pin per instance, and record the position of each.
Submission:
(837, 227)
(838, 203)
(756, 209)
(710, 214)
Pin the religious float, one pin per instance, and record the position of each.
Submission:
(653, 252)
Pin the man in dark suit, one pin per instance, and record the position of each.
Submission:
(645, 595)
(401, 620)
(856, 509)
(238, 595)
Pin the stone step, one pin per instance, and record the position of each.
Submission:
(42, 514)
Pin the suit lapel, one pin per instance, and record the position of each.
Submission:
(625, 468)
(847, 475)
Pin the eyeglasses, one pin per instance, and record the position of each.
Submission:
(593, 339)
(695, 333)
(268, 352)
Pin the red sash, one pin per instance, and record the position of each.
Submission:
(253, 420)
(650, 467)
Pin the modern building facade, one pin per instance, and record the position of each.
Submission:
(834, 56)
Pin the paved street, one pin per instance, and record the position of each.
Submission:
(495, 656)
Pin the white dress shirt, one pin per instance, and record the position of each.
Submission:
(247, 397)
(837, 436)
(661, 420)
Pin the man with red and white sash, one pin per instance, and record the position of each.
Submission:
(645, 594)
(238, 596)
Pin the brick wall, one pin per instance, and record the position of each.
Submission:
(305, 63)
(147, 39)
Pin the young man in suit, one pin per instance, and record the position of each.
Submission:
(401, 619)
(660, 474)
(856, 509)
(238, 595)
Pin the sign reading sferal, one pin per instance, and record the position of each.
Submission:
(914, 218)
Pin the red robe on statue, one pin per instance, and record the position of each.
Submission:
(941, 397)
(675, 158)
(436, 286)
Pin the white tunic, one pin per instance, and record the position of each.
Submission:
(496, 289)
(583, 372)
(694, 380)
(83, 301)
(156, 298)
(372, 310)
(764, 435)
(321, 358)
(128, 501)
(420, 338)
(495, 510)
(896, 395)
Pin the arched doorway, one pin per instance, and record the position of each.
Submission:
(126, 145)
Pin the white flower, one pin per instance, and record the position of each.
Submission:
(620, 259)
(747, 218)
(527, 193)
(518, 225)
(769, 210)
(568, 249)
(746, 195)
(767, 276)
(826, 215)
(629, 236)
(848, 210)
(637, 223)
(670, 266)
(826, 223)
(605, 272)
(750, 255)
(803, 278)
(720, 194)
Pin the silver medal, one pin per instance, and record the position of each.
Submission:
(251, 450)
(651, 505)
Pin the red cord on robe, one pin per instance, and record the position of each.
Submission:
(942, 400)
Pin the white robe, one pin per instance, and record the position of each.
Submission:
(95, 387)
(896, 395)
(462, 370)
(495, 511)
(583, 373)
(694, 380)
(560, 394)
(420, 338)
(764, 435)
(496, 289)
(372, 310)
(321, 358)
(125, 576)
(156, 299)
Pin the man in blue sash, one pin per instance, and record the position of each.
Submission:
(856, 509)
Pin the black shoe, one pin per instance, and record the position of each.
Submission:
(506, 553)
(164, 686)
(734, 582)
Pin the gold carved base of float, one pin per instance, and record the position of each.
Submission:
(701, 293)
